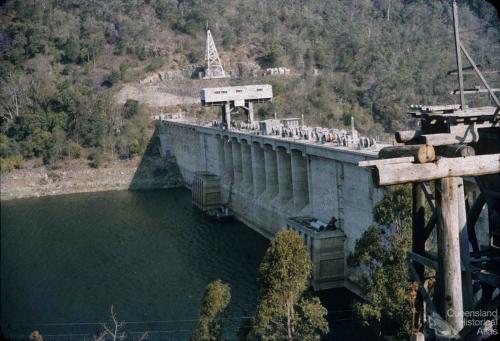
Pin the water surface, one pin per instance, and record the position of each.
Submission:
(67, 259)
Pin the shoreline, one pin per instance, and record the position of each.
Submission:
(75, 176)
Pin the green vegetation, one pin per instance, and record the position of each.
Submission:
(215, 301)
(381, 252)
(284, 311)
(63, 60)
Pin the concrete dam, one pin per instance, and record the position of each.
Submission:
(274, 180)
(277, 174)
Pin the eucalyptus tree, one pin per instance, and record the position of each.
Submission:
(284, 312)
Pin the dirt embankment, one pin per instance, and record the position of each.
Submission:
(77, 177)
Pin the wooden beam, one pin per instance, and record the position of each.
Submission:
(454, 72)
(428, 301)
(430, 225)
(369, 163)
(422, 153)
(480, 75)
(449, 269)
(428, 195)
(472, 217)
(406, 135)
(489, 278)
(463, 133)
(474, 91)
(456, 150)
(421, 259)
(401, 173)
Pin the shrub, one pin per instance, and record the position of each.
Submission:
(95, 159)
(73, 150)
(10, 163)
(131, 108)
(155, 64)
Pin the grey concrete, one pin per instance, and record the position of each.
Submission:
(220, 156)
(300, 185)
(246, 166)
(284, 176)
(228, 160)
(237, 167)
(271, 172)
(258, 170)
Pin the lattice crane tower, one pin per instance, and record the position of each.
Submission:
(214, 66)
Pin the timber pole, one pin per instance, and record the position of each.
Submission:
(418, 222)
(418, 240)
(467, 293)
(449, 270)
(458, 54)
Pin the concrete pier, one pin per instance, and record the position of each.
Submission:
(237, 167)
(220, 159)
(271, 172)
(258, 170)
(228, 160)
(246, 165)
(284, 176)
(299, 181)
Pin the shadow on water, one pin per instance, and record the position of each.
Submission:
(341, 316)
(154, 170)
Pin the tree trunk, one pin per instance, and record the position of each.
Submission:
(289, 317)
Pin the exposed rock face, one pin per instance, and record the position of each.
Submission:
(76, 177)
(154, 95)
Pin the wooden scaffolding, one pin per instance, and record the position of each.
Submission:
(452, 142)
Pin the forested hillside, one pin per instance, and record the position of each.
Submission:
(62, 60)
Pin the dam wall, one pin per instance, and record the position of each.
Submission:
(267, 179)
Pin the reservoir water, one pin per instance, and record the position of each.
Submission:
(65, 260)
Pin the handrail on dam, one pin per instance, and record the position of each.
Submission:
(310, 147)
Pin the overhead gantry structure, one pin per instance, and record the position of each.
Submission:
(230, 98)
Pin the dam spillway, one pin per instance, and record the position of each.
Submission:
(267, 179)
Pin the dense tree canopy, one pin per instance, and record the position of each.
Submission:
(62, 60)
